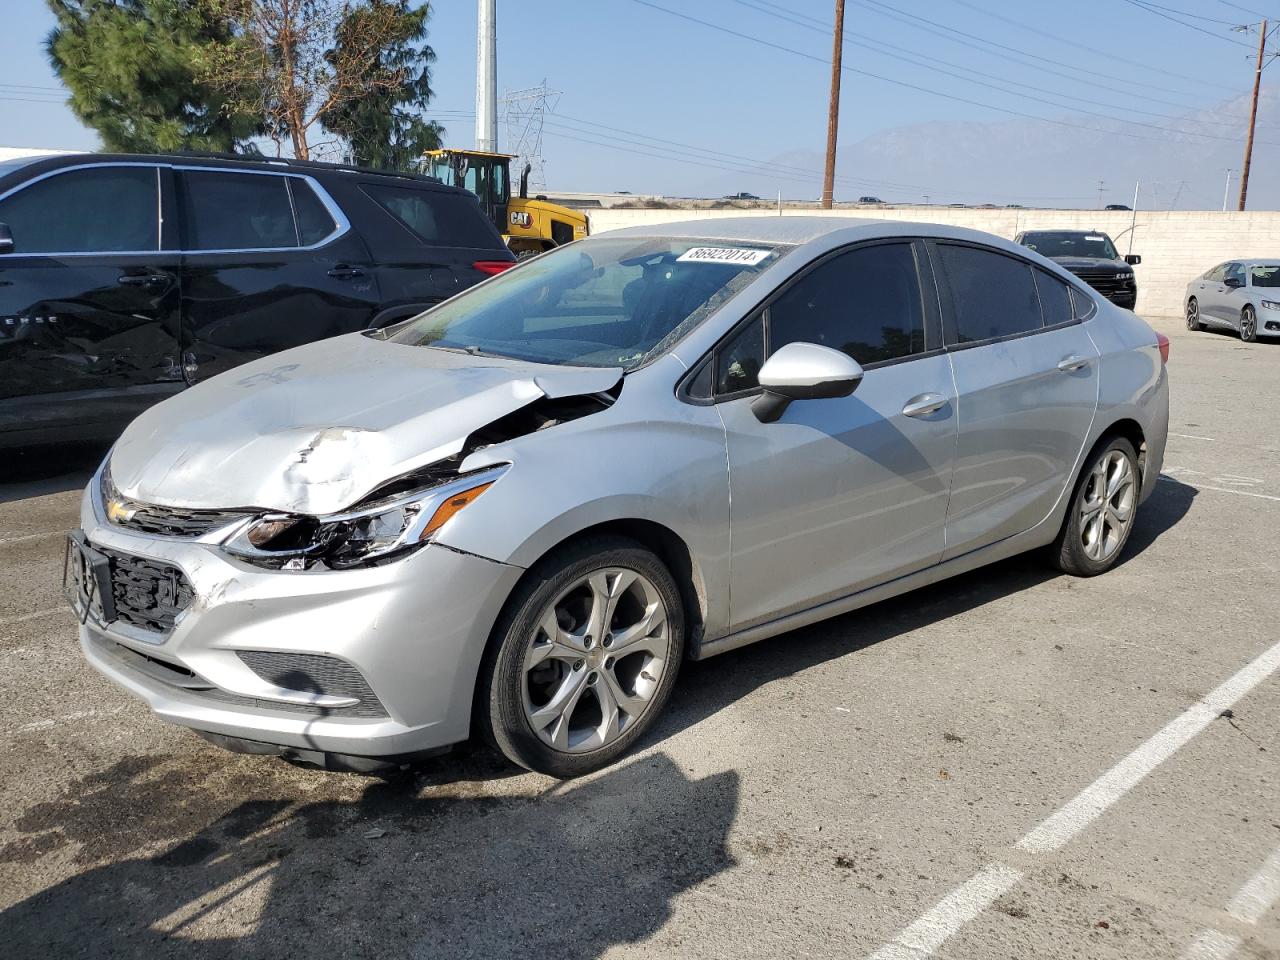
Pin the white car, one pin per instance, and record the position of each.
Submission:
(1240, 295)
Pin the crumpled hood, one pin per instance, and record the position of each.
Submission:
(1092, 264)
(314, 429)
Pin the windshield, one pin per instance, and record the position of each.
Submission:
(1069, 244)
(1266, 276)
(599, 303)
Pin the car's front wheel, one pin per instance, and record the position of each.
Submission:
(1193, 314)
(584, 657)
(1248, 324)
(1102, 511)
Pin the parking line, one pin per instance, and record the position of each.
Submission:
(1204, 486)
(34, 615)
(1258, 895)
(967, 901)
(1191, 436)
(30, 536)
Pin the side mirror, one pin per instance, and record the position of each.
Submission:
(803, 371)
(6, 239)
(1132, 259)
(1234, 282)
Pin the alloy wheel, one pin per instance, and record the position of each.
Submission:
(596, 660)
(1248, 325)
(1107, 506)
(1193, 314)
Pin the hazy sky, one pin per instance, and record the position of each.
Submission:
(633, 75)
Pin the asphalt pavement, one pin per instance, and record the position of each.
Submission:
(1014, 763)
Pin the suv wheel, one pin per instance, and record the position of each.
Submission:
(1102, 511)
(584, 658)
(1248, 324)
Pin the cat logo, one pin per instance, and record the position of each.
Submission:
(521, 218)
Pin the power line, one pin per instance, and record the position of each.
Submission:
(1182, 13)
(931, 64)
(1190, 26)
(918, 87)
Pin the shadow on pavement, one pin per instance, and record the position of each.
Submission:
(566, 872)
(37, 471)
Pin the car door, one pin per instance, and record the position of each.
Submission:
(1026, 374)
(88, 302)
(838, 494)
(1211, 293)
(1233, 295)
(269, 262)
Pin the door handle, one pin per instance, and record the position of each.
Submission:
(1072, 363)
(142, 279)
(924, 404)
(344, 272)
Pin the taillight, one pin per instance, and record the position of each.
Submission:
(492, 267)
(1163, 343)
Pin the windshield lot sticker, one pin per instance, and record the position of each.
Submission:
(1094, 239)
(736, 255)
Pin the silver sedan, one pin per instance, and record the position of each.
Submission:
(517, 514)
(1239, 295)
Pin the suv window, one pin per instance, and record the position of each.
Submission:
(435, 216)
(95, 210)
(1055, 299)
(227, 210)
(314, 220)
(865, 302)
(992, 295)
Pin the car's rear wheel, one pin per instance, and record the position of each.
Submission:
(1248, 324)
(1102, 511)
(1193, 314)
(583, 659)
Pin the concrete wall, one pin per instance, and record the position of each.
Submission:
(1175, 245)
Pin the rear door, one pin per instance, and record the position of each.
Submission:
(88, 302)
(1026, 375)
(269, 262)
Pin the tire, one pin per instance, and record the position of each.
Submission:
(1248, 324)
(528, 677)
(1095, 530)
(1193, 315)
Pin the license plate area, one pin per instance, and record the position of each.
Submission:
(86, 580)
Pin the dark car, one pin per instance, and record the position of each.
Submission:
(1092, 257)
(870, 200)
(741, 196)
(125, 278)
(1117, 206)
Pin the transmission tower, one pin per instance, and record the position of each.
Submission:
(523, 112)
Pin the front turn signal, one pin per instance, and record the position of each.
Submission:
(452, 506)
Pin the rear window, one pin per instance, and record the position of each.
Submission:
(236, 211)
(435, 216)
(993, 295)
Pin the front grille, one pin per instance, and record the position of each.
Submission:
(148, 593)
(315, 673)
(170, 522)
(1107, 284)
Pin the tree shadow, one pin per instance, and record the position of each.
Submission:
(566, 871)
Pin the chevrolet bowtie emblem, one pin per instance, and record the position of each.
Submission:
(118, 511)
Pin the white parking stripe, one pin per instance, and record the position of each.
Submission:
(34, 615)
(967, 901)
(1204, 486)
(30, 536)
(1249, 905)
(1191, 436)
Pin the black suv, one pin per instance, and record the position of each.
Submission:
(124, 278)
(1092, 257)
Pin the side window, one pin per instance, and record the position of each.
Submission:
(866, 303)
(314, 220)
(739, 361)
(1055, 299)
(1235, 271)
(95, 210)
(236, 211)
(1084, 304)
(436, 216)
(1217, 273)
(993, 295)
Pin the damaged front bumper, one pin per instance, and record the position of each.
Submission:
(370, 662)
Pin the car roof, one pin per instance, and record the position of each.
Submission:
(227, 161)
(1257, 262)
(804, 230)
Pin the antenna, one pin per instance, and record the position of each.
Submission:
(523, 113)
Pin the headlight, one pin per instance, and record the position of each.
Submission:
(374, 533)
(1271, 304)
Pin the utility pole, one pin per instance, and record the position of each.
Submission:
(1253, 114)
(487, 76)
(833, 110)
(1133, 219)
(1101, 189)
(1226, 191)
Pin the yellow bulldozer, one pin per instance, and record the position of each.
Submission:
(528, 226)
